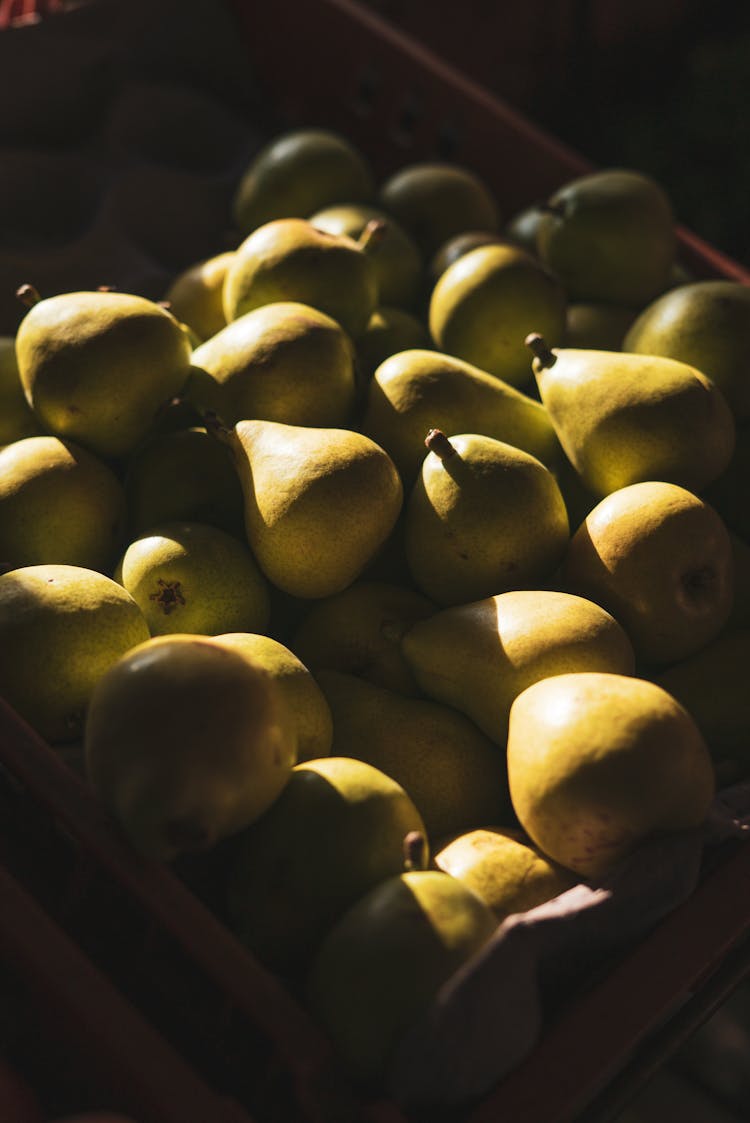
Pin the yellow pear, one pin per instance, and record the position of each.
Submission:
(196, 295)
(599, 762)
(17, 419)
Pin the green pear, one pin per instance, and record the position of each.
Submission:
(61, 628)
(483, 517)
(728, 492)
(389, 330)
(705, 324)
(453, 772)
(609, 235)
(523, 226)
(503, 867)
(183, 475)
(96, 366)
(597, 763)
(58, 503)
(187, 742)
(486, 303)
(335, 832)
(394, 253)
(283, 362)
(290, 259)
(195, 579)
(622, 418)
(417, 390)
(196, 295)
(359, 631)
(601, 327)
(318, 502)
(306, 701)
(380, 966)
(477, 657)
(660, 560)
(434, 200)
(298, 172)
(17, 419)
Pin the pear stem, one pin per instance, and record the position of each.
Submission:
(216, 427)
(415, 851)
(538, 344)
(437, 442)
(373, 233)
(28, 295)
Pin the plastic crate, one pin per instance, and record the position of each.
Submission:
(141, 998)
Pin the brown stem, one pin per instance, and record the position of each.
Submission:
(28, 295)
(437, 442)
(373, 233)
(415, 851)
(538, 344)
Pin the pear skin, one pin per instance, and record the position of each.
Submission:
(196, 295)
(16, 417)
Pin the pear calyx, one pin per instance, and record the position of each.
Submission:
(437, 442)
(28, 295)
(539, 346)
(415, 851)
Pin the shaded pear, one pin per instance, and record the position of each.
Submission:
(187, 742)
(334, 833)
(483, 517)
(460, 244)
(17, 419)
(622, 418)
(453, 772)
(284, 362)
(599, 762)
(602, 327)
(434, 200)
(417, 390)
(728, 492)
(319, 503)
(196, 294)
(477, 657)
(388, 331)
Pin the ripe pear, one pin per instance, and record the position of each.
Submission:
(284, 362)
(380, 966)
(477, 657)
(453, 772)
(601, 327)
(290, 259)
(16, 417)
(305, 699)
(610, 236)
(96, 366)
(335, 832)
(597, 763)
(297, 173)
(194, 578)
(622, 418)
(483, 517)
(389, 330)
(705, 324)
(58, 503)
(183, 475)
(503, 867)
(61, 628)
(660, 560)
(394, 253)
(196, 294)
(318, 502)
(434, 200)
(359, 631)
(486, 303)
(416, 390)
(187, 742)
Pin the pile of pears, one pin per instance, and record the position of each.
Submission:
(392, 568)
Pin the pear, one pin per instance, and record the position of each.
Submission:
(187, 742)
(183, 475)
(523, 226)
(453, 772)
(477, 657)
(394, 253)
(434, 200)
(194, 578)
(297, 173)
(483, 517)
(416, 390)
(389, 330)
(290, 259)
(597, 763)
(660, 560)
(609, 235)
(334, 833)
(61, 628)
(359, 631)
(705, 324)
(96, 366)
(622, 418)
(283, 362)
(305, 699)
(196, 294)
(601, 327)
(503, 867)
(17, 419)
(485, 304)
(728, 492)
(58, 503)
(318, 502)
(380, 966)
(460, 244)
